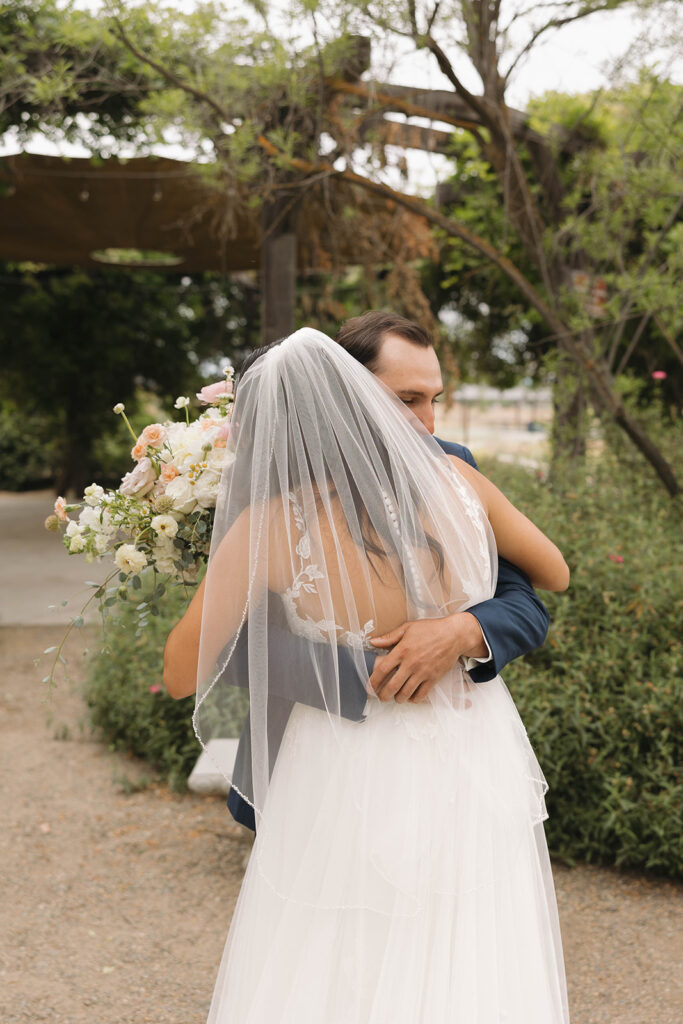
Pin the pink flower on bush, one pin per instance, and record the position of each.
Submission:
(659, 375)
(616, 558)
(60, 509)
(210, 394)
(155, 688)
(139, 480)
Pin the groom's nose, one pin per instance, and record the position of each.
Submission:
(425, 413)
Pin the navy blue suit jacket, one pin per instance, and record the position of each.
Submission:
(514, 622)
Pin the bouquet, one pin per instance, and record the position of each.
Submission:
(159, 520)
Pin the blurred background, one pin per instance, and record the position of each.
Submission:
(181, 182)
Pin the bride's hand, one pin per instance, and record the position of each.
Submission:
(422, 652)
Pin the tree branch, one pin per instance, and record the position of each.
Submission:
(675, 348)
(599, 377)
(169, 76)
(402, 106)
(642, 269)
(555, 23)
(637, 335)
(477, 103)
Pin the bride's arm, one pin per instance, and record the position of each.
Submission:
(517, 538)
(215, 612)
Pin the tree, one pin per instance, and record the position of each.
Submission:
(282, 120)
(616, 156)
(74, 343)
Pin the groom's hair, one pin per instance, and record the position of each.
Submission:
(362, 336)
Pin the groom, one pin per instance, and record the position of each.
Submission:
(486, 637)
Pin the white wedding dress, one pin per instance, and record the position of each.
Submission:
(400, 876)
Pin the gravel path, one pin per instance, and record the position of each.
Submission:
(115, 907)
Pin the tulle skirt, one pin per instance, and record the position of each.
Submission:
(400, 874)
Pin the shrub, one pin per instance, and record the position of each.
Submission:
(602, 699)
(26, 450)
(128, 703)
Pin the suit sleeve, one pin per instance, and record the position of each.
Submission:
(514, 621)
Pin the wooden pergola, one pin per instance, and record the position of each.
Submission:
(81, 213)
(157, 213)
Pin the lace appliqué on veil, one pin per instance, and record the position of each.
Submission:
(321, 630)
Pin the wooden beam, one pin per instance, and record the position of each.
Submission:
(407, 136)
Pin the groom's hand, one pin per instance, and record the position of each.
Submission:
(423, 651)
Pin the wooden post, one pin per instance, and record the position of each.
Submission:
(278, 277)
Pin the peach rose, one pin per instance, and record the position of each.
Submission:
(154, 435)
(168, 472)
(138, 451)
(60, 509)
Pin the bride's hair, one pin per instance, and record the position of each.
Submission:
(373, 544)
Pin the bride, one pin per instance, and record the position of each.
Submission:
(399, 873)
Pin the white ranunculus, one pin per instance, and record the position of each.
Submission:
(76, 544)
(93, 494)
(165, 525)
(181, 494)
(129, 559)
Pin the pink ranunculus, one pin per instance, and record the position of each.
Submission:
(616, 558)
(154, 434)
(659, 375)
(140, 480)
(210, 394)
(60, 509)
(155, 688)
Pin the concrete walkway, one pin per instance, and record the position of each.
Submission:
(36, 570)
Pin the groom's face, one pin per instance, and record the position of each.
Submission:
(413, 373)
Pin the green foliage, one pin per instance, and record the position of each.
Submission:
(76, 342)
(602, 699)
(26, 449)
(131, 716)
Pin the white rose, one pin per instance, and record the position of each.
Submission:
(89, 518)
(206, 488)
(76, 544)
(93, 494)
(165, 525)
(164, 556)
(129, 559)
(180, 492)
(101, 543)
(140, 480)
